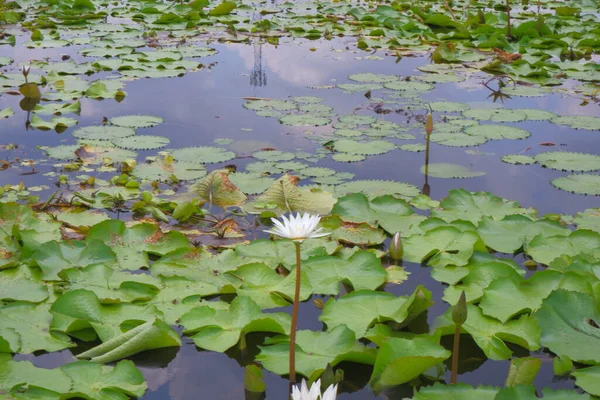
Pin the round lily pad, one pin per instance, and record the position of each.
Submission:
(497, 132)
(203, 154)
(136, 121)
(448, 106)
(317, 171)
(569, 161)
(103, 132)
(518, 159)
(446, 170)
(496, 115)
(307, 99)
(158, 171)
(409, 86)
(457, 139)
(375, 188)
(357, 119)
(365, 148)
(579, 122)
(291, 166)
(142, 142)
(372, 78)
(273, 155)
(414, 147)
(348, 132)
(345, 157)
(304, 119)
(440, 78)
(579, 184)
(359, 87)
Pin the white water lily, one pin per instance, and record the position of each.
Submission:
(314, 393)
(26, 70)
(298, 228)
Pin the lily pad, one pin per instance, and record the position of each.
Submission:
(579, 184)
(569, 161)
(202, 155)
(136, 121)
(445, 170)
(142, 142)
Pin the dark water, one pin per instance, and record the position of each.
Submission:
(207, 104)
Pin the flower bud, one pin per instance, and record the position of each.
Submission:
(26, 70)
(396, 248)
(429, 123)
(459, 313)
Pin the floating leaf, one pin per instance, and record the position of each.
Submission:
(363, 148)
(518, 159)
(287, 197)
(445, 170)
(587, 379)
(491, 335)
(142, 142)
(314, 350)
(374, 188)
(147, 336)
(19, 374)
(304, 119)
(362, 309)
(545, 249)
(218, 330)
(164, 171)
(496, 115)
(362, 270)
(497, 132)
(202, 154)
(136, 121)
(564, 320)
(250, 183)
(579, 184)
(579, 122)
(401, 360)
(569, 161)
(217, 189)
(103, 382)
(473, 206)
(445, 245)
(103, 132)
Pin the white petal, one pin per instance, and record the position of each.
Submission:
(330, 393)
(315, 390)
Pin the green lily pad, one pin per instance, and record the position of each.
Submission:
(496, 115)
(445, 170)
(401, 360)
(374, 188)
(564, 320)
(25, 374)
(314, 351)
(142, 142)
(473, 206)
(372, 78)
(363, 148)
(103, 132)
(103, 382)
(545, 249)
(147, 336)
(304, 119)
(579, 184)
(136, 121)
(202, 155)
(362, 309)
(569, 161)
(518, 159)
(497, 132)
(218, 330)
(579, 122)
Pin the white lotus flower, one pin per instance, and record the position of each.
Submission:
(314, 393)
(298, 228)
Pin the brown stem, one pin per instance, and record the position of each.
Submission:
(455, 355)
(295, 317)
(508, 18)
(449, 10)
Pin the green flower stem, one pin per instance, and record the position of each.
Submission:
(455, 355)
(295, 317)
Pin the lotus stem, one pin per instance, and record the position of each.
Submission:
(455, 355)
(508, 35)
(295, 317)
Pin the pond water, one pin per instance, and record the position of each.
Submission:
(206, 105)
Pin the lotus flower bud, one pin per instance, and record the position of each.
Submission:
(396, 248)
(429, 123)
(459, 313)
(26, 70)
